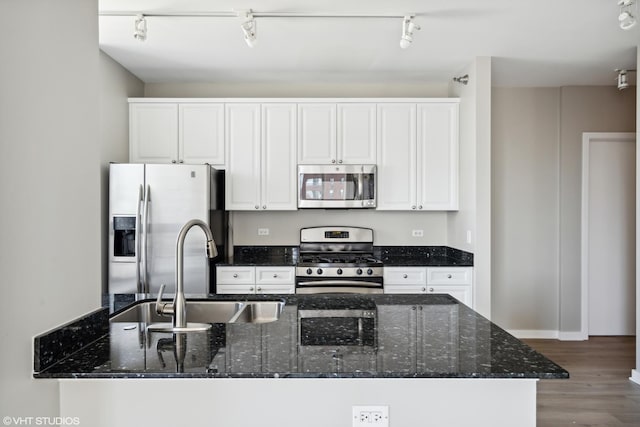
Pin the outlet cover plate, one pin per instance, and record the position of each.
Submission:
(370, 416)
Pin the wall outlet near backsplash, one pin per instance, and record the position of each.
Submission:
(263, 231)
(417, 233)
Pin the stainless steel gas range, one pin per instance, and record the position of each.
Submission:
(338, 260)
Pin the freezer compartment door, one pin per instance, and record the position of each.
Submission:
(126, 183)
(176, 194)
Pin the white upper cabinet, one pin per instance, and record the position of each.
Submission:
(278, 167)
(176, 133)
(437, 153)
(261, 156)
(242, 181)
(356, 133)
(418, 156)
(153, 133)
(343, 133)
(317, 133)
(397, 175)
(201, 133)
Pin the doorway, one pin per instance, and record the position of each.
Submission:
(608, 233)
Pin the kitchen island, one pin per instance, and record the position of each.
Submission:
(425, 357)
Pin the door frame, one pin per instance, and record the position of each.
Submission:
(587, 138)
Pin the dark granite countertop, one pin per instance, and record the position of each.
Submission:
(392, 256)
(401, 336)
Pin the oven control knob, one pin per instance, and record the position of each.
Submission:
(309, 271)
(369, 272)
(359, 271)
(319, 271)
(339, 271)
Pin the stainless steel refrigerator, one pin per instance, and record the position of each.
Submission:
(148, 205)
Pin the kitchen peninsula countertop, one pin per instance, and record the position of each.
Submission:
(413, 336)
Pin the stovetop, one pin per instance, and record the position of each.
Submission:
(337, 259)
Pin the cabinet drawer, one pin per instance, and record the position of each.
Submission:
(449, 276)
(405, 289)
(235, 289)
(461, 293)
(235, 275)
(405, 276)
(275, 275)
(276, 289)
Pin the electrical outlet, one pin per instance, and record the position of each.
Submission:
(370, 416)
(469, 237)
(263, 231)
(417, 233)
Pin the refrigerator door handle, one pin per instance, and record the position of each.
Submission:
(145, 233)
(137, 237)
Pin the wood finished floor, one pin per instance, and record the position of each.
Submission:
(599, 392)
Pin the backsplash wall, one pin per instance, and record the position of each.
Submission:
(390, 228)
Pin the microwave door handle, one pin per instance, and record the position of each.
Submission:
(360, 193)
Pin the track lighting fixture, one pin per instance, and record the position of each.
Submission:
(248, 27)
(140, 28)
(627, 19)
(462, 79)
(623, 81)
(408, 26)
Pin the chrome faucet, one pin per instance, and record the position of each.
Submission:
(178, 307)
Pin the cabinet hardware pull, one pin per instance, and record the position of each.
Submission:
(333, 160)
(257, 207)
(173, 161)
(251, 288)
(275, 275)
(259, 289)
(404, 276)
(430, 289)
(264, 206)
(448, 276)
(413, 207)
(424, 289)
(235, 275)
(420, 207)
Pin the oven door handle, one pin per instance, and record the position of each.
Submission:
(339, 283)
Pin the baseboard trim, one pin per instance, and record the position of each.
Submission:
(533, 334)
(635, 376)
(572, 336)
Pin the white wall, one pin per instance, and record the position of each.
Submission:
(537, 155)
(116, 85)
(474, 216)
(525, 244)
(285, 89)
(49, 185)
(390, 228)
(636, 372)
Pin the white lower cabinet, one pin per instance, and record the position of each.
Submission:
(255, 280)
(455, 281)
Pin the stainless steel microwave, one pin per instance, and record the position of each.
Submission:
(337, 186)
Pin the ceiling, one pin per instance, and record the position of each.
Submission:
(532, 42)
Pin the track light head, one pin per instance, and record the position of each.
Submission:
(408, 27)
(140, 28)
(249, 28)
(625, 17)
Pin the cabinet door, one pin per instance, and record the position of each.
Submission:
(396, 156)
(278, 163)
(153, 133)
(461, 293)
(356, 133)
(201, 133)
(437, 154)
(235, 289)
(317, 133)
(243, 156)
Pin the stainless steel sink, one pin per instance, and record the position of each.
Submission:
(206, 312)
